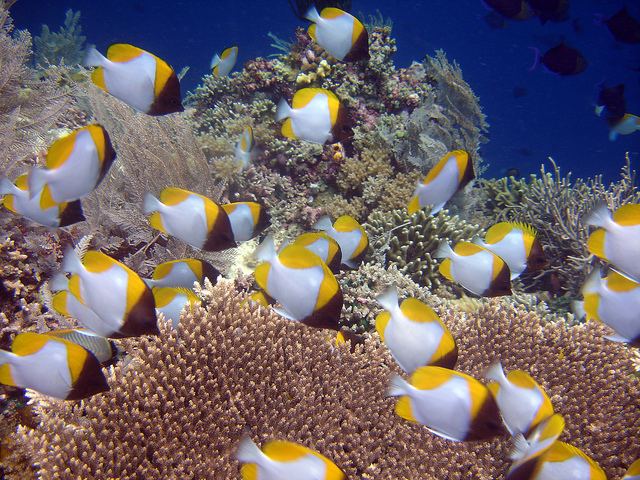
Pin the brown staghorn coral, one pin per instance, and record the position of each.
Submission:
(180, 406)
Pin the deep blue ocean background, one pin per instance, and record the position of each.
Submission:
(550, 116)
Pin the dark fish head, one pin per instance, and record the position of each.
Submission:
(564, 60)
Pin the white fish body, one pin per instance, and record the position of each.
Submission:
(185, 220)
(28, 205)
(473, 272)
(628, 125)
(311, 122)
(574, 468)
(180, 276)
(242, 224)
(511, 249)
(348, 240)
(89, 319)
(335, 34)
(440, 190)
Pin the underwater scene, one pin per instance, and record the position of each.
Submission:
(320, 240)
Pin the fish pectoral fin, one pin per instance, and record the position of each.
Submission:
(284, 313)
(617, 338)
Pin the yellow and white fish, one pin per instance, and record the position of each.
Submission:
(172, 301)
(342, 35)
(245, 147)
(450, 404)
(627, 125)
(102, 348)
(280, 460)
(140, 79)
(414, 333)
(52, 366)
(452, 173)
(517, 244)
(615, 301)
(316, 115)
(324, 246)
(113, 291)
(76, 164)
(349, 234)
(617, 240)
(301, 282)
(260, 298)
(39, 207)
(193, 218)
(633, 473)
(221, 65)
(183, 272)
(523, 404)
(477, 269)
(248, 219)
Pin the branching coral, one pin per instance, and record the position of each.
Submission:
(64, 46)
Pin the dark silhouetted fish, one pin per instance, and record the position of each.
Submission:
(611, 103)
(512, 9)
(519, 91)
(301, 7)
(624, 27)
(512, 172)
(550, 10)
(561, 59)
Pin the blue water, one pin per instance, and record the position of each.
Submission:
(555, 118)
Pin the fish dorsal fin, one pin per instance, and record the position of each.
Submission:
(59, 303)
(174, 196)
(417, 311)
(305, 95)
(526, 228)
(164, 269)
(445, 269)
(521, 379)
(382, 320)
(22, 182)
(468, 248)
(561, 451)
(165, 295)
(60, 150)
(331, 12)
(428, 378)
(497, 232)
(229, 51)
(28, 343)
(619, 283)
(296, 256)
(346, 223)
(283, 451)
(627, 215)
(123, 52)
(96, 262)
(312, 32)
(437, 168)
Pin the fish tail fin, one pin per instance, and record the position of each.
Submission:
(495, 372)
(248, 451)
(444, 250)
(389, 298)
(71, 262)
(151, 204)
(94, 58)
(36, 180)
(283, 111)
(266, 250)
(7, 187)
(536, 59)
(599, 216)
(215, 61)
(398, 387)
(7, 357)
(312, 14)
(323, 223)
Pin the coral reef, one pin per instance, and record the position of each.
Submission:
(183, 401)
(66, 46)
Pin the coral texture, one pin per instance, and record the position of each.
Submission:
(64, 46)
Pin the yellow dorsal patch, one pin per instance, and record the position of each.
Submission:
(591, 305)
(312, 31)
(382, 320)
(283, 451)
(287, 129)
(437, 168)
(560, 452)
(28, 343)
(97, 77)
(404, 410)
(303, 96)
(249, 471)
(47, 201)
(173, 196)
(165, 295)
(155, 220)
(468, 248)
(497, 232)
(331, 12)
(97, 262)
(521, 379)
(428, 378)
(462, 161)
(417, 311)
(59, 303)
(328, 288)
(595, 244)
(97, 135)
(229, 51)
(346, 223)
(123, 52)
(261, 274)
(445, 269)
(627, 215)
(620, 283)
(164, 269)
(74, 287)
(296, 256)
(60, 150)
(22, 182)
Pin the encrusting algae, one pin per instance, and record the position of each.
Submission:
(275, 352)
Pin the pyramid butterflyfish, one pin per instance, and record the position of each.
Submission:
(327, 248)
(101, 347)
(221, 65)
(248, 219)
(633, 473)
(301, 283)
(316, 115)
(52, 366)
(183, 272)
(245, 147)
(617, 239)
(172, 301)
(39, 207)
(517, 244)
(452, 173)
(615, 301)
(523, 404)
(140, 79)
(75, 165)
(627, 125)
(477, 269)
(350, 235)
(450, 404)
(122, 304)
(191, 217)
(280, 459)
(414, 333)
(341, 34)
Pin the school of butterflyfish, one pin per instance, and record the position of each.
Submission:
(298, 278)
